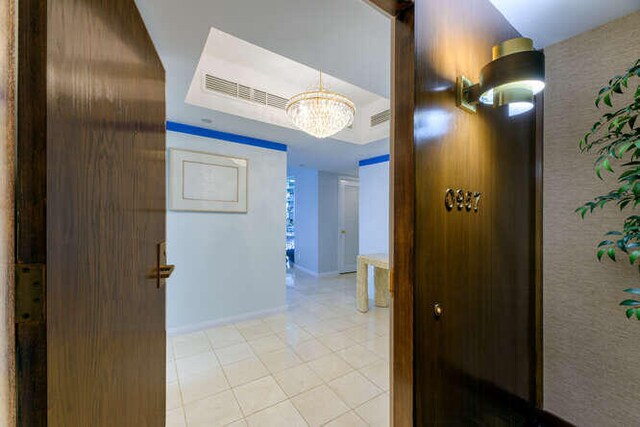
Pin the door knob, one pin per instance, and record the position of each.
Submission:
(437, 310)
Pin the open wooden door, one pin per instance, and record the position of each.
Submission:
(91, 213)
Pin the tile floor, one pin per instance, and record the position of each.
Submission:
(320, 363)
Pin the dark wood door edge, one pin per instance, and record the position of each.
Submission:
(401, 215)
(391, 7)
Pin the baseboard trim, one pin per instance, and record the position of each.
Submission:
(315, 273)
(217, 322)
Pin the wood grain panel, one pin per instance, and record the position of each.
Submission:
(30, 203)
(7, 170)
(92, 151)
(591, 349)
(476, 365)
(401, 215)
(105, 215)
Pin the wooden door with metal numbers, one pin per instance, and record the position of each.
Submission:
(90, 216)
(476, 232)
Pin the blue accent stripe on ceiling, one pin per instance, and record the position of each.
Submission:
(374, 160)
(224, 136)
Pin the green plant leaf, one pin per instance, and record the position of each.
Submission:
(634, 256)
(611, 253)
(630, 312)
(600, 253)
(607, 100)
(630, 303)
(604, 242)
(613, 233)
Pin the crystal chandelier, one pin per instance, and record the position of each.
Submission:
(321, 113)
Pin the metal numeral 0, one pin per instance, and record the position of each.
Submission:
(449, 199)
(462, 199)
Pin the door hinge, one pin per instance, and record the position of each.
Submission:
(30, 293)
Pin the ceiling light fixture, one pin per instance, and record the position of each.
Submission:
(320, 112)
(512, 79)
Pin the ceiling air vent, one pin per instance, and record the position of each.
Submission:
(219, 85)
(381, 117)
(236, 90)
(276, 101)
(244, 92)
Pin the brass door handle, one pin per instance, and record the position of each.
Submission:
(163, 270)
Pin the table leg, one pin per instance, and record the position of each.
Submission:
(381, 287)
(362, 292)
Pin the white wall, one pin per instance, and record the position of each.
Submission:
(374, 212)
(227, 264)
(374, 208)
(316, 220)
(328, 223)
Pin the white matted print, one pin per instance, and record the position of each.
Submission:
(207, 182)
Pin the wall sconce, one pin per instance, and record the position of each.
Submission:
(512, 79)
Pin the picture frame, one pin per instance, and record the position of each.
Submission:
(207, 182)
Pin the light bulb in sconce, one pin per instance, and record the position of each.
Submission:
(511, 80)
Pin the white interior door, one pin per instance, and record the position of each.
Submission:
(348, 223)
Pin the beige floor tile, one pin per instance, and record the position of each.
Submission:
(190, 344)
(266, 344)
(350, 419)
(245, 371)
(337, 341)
(297, 379)
(175, 418)
(358, 356)
(361, 334)
(279, 360)
(224, 336)
(319, 405)
(294, 336)
(330, 367)
(244, 324)
(254, 332)
(259, 394)
(283, 414)
(239, 423)
(311, 350)
(202, 385)
(376, 411)
(198, 364)
(169, 349)
(378, 373)
(234, 353)
(172, 373)
(174, 400)
(319, 329)
(355, 389)
(213, 411)
(379, 345)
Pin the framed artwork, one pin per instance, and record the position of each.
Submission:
(207, 182)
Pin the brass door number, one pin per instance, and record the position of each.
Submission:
(462, 199)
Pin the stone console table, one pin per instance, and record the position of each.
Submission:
(380, 262)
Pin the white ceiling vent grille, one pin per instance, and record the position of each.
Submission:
(219, 85)
(236, 90)
(381, 117)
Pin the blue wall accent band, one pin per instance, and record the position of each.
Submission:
(224, 136)
(374, 160)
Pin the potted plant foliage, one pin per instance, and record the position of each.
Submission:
(615, 137)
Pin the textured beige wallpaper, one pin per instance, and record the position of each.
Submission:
(591, 351)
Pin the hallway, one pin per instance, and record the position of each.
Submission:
(320, 362)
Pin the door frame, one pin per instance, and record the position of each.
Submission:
(401, 206)
(342, 183)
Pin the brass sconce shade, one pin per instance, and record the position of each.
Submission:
(512, 79)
